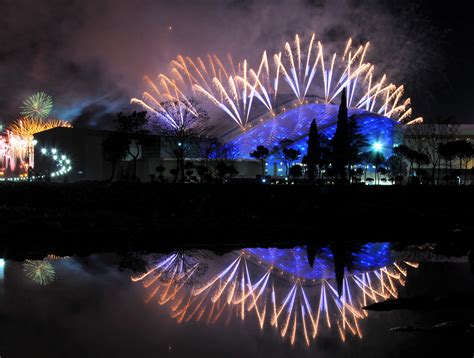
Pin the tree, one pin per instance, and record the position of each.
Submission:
(426, 138)
(287, 154)
(464, 152)
(410, 155)
(357, 142)
(447, 152)
(313, 153)
(261, 153)
(222, 169)
(224, 158)
(377, 159)
(296, 171)
(134, 127)
(115, 148)
(189, 167)
(396, 167)
(160, 170)
(340, 141)
(183, 125)
(202, 170)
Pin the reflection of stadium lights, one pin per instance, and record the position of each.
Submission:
(2, 268)
(377, 147)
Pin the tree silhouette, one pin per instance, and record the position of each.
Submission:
(313, 153)
(396, 167)
(189, 169)
(377, 159)
(115, 148)
(182, 138)
(134, 127)
(261, 153)
(287, 154)
(340, 141)
(202, 170)
(464, 152)
(357, 143)
(296, 171)
(426, 139)
(447, 152)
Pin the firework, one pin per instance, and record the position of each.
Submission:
(37, 106)
(21, 131)
(293, 305)
(39, 271)
(26, 127)
(302, 71)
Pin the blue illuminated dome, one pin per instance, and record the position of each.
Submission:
(293, 123)
(294, 262)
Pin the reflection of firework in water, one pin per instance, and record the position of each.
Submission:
(169, 275)
(37, 106)
(39, 271)
(236, 87)
(291, 304)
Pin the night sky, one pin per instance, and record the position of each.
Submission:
(91, 55)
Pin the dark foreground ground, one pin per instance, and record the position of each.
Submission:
(92, 217)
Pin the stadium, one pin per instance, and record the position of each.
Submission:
(277, 100)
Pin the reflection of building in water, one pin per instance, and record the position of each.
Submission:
(280, 289)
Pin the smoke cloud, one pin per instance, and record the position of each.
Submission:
(91, 55)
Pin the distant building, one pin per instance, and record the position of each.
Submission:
(82, 151)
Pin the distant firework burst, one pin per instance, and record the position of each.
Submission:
(301, 71)
(37, 106)
(39, 271)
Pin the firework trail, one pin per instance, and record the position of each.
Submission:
(301, 70)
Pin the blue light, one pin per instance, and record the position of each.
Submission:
(294, 262)
(2, 268)
(294, 124)
(377, 146)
